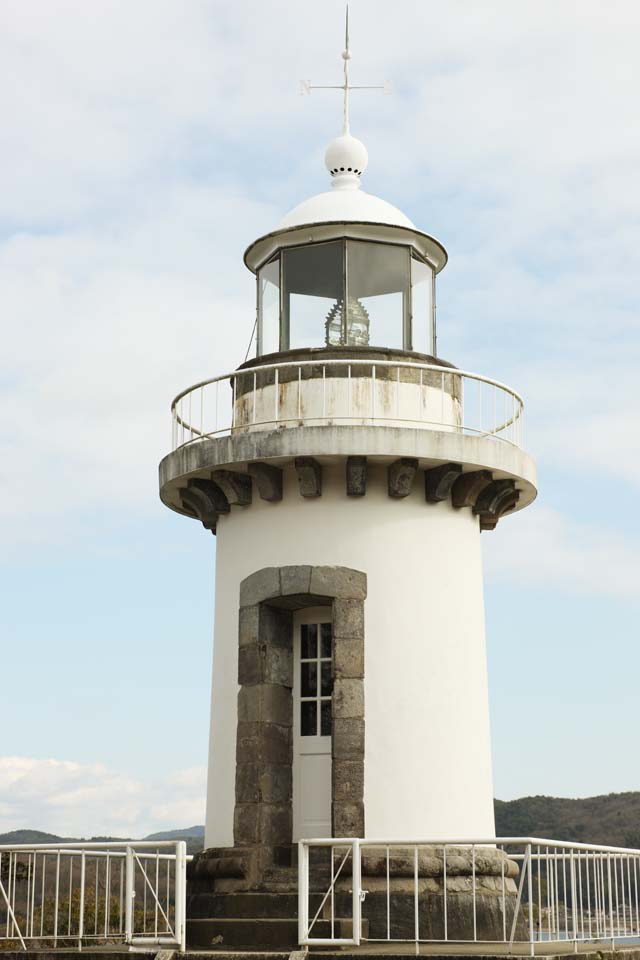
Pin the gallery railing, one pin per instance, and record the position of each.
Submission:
(518, 895)
(356, 392)
(72, 894)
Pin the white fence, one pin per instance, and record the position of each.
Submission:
(72, 894)
(520, 895)
(325, 392)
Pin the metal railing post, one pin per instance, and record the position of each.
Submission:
(181, 895)
(129, 894)
(303, 891)
(356, 869)
(530, 898)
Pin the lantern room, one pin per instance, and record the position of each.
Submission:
(345, 269)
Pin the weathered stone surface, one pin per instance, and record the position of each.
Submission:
(468, 487)
(247, 785)
(277, 664)
(248, 623)
(268, 480)
(348, 659)
(348, 618)
(348, 699)
(340, 582)
(401, 474)
(356, 470)
(249, 665)
(309, 476)
(439, 480)
(348, 780)
(275, 823)
(489, 500)
(246, 824)
(202, 504)
(265, 702)
(275, 626)
(276, 743)
(261, 585)
(294, 580)
(348, 819)
(235, 486)
(249, 742)
(348, 739)
(211, 490)
(275, 783)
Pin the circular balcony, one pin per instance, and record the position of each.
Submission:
(347, 392)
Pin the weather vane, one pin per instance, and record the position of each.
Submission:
(346, 87)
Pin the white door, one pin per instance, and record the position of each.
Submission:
(312, 688)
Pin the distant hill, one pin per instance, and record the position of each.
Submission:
(612, 819)
(186, 834)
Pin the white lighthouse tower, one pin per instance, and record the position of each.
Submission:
(347, 472)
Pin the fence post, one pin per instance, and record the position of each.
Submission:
(303, 891)
(357, 897)
(129, 893)
(181, 894)
(530, 898)
(81, 912)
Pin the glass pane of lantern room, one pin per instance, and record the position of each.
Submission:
(269, 307)
(377, 294)
(422, 329)
(312, 302)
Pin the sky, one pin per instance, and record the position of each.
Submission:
(143, 146)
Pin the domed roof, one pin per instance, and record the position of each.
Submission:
(345, 205)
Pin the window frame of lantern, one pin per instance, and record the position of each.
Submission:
(284, 320)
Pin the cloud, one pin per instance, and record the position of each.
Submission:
(74, 799)
(542, 547)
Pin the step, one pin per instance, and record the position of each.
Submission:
(253, 906)
(255, 933)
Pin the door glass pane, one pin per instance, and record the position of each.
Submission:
(422, 306)
(269, 306)
(309, 641)
(312, 300)
(325, 718)
(377, 293)
(326, 684)
(325, 637)
(308, 723)
(309, 679)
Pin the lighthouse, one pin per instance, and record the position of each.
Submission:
(348, 473)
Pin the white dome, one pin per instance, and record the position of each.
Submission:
(345, 205)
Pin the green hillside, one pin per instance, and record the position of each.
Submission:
(612, 819)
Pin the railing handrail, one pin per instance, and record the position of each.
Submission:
(468, 842)
(373, 362)
(90, 845)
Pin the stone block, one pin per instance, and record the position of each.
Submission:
(247, 782)
(277, 705)
(400, 476)
(339, 582)
(356, 471)
(348, 780)
(276, 627)
(295, 580)
(275, 823)
(309, 476)
(235, 486)
(348, 739)
(262, 585)
(348, 659)
(249, 742)
(348, 819)
(246, 824)
(275, 783)
(277, 665)
(268, 480)
(439, 480)
(249, 665)
(248, 624)
(348, 699)
(276, 743)
(348, 618)
(468, 488)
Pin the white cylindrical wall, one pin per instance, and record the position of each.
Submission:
(427, 749)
